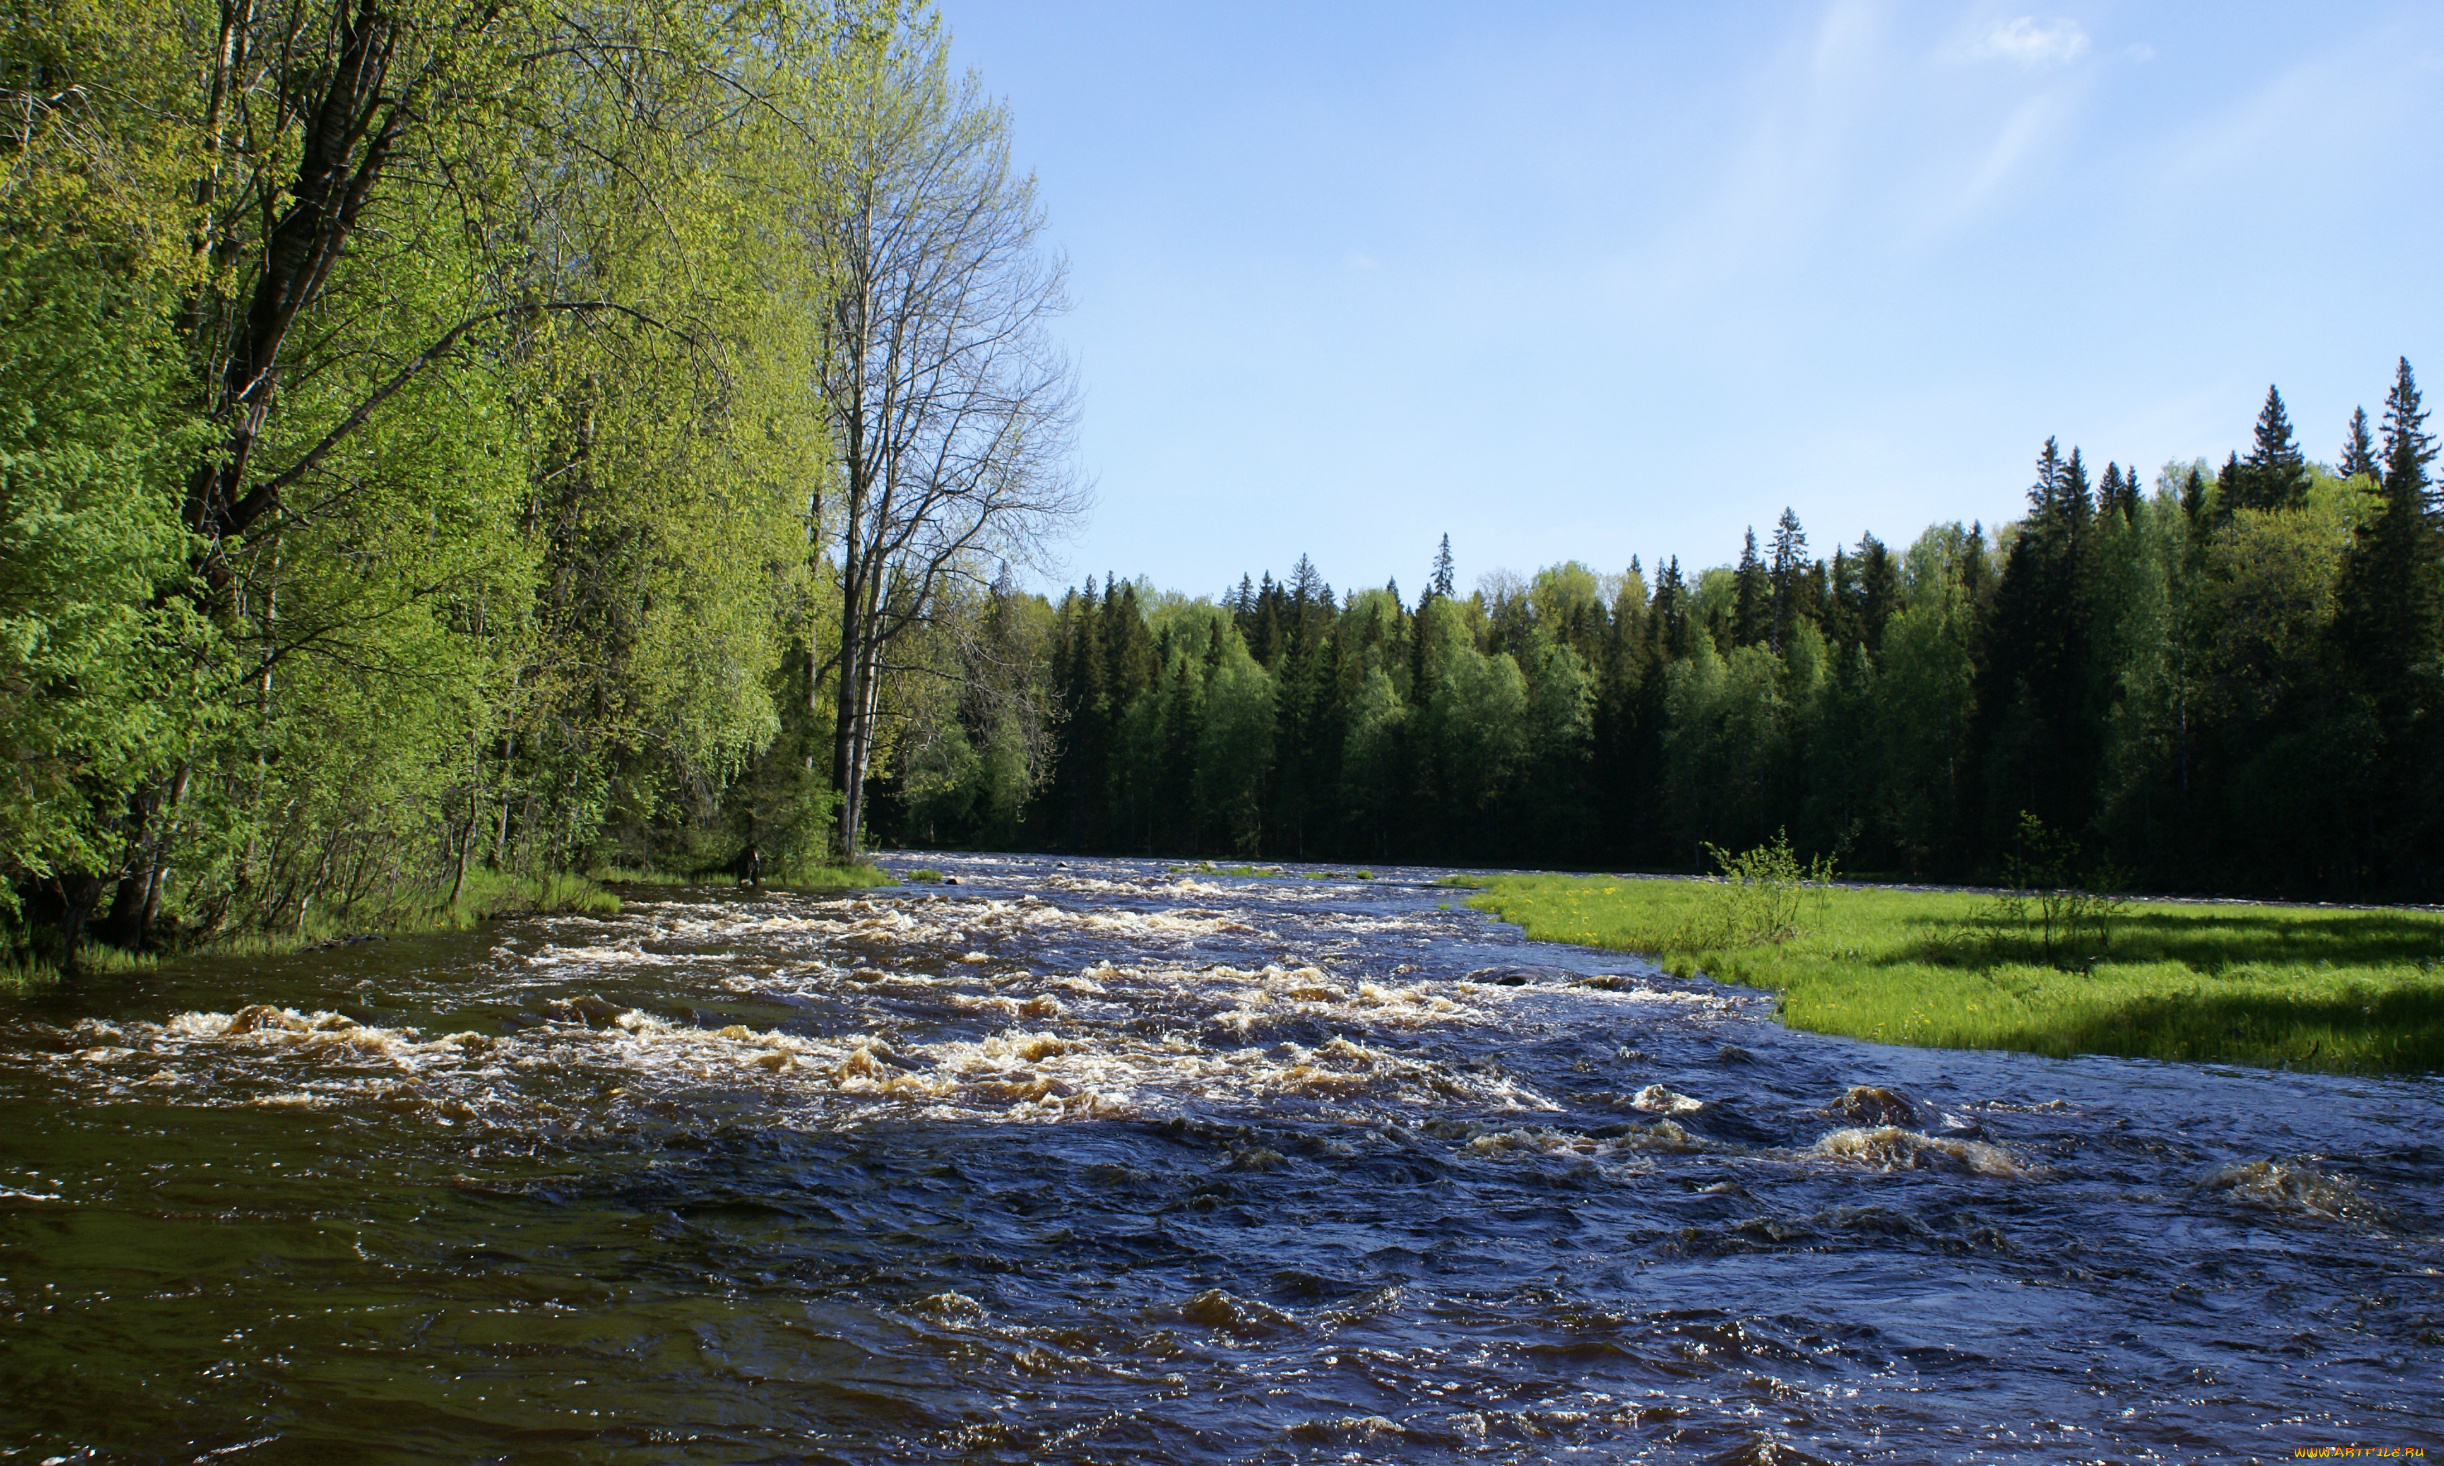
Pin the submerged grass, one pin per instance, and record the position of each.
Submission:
(2310, 987)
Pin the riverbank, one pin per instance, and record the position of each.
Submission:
(2343, 991)
(484, 896)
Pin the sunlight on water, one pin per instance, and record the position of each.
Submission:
(1096, 1162)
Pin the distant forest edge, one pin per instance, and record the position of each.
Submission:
(453, 449)
(2229, 683)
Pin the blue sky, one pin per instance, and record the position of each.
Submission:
(1594, 281)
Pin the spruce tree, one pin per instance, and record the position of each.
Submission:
(2118, 495)
(2040, 724)
(2359, 458)
(1438, 581)
(2385, 629)
(2078, 505)
(1879, 591)
(1752, 608)
(2275, 474)
(1668, 618)
(1841, 612)
(1788, 565)
(2409, 447)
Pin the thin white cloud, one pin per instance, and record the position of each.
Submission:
(2031, 42)
(1361, 262)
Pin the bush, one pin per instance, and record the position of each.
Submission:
(2069, 913)
(1762, 892)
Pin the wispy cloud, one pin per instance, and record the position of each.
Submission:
(2031, 42)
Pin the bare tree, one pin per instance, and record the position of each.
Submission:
(950, 408)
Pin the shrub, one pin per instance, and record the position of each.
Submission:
(1762, 892)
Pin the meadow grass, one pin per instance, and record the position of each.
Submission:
(2311, 987)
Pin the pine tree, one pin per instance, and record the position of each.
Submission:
(1438, 582)
(2193, 495)
(2359, 458)
(1752, 610)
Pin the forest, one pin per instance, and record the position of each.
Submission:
(452, 446)
(453, 449)
(2223, 681)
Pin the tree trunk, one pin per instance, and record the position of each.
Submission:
(332, 185)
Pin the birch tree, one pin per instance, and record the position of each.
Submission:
(950, 408)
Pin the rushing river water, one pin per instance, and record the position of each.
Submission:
(1101, 1163)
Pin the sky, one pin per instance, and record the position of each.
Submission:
(1588, 282)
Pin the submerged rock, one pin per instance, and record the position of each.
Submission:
(1866, 1104)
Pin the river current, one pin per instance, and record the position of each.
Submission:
(1102, 1162)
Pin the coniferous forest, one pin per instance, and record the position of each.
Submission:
(2226, 680)
(446, 447)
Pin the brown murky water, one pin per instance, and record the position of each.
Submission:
(1098, 1163)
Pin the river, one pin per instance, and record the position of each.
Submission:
(1100, 1162)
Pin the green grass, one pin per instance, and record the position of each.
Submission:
(23, 975)
(923, 873)
(2315, 988)
(486, 895)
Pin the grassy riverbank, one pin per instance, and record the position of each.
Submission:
(484, 896)
(2314, 987)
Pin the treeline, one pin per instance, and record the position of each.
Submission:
(2227, 680)
(449, 442)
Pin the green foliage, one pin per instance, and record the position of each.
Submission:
(98, 651)
(375, 557)
(1763, 892)
(2313, 988)
(2210, 692)
(2056, 903)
